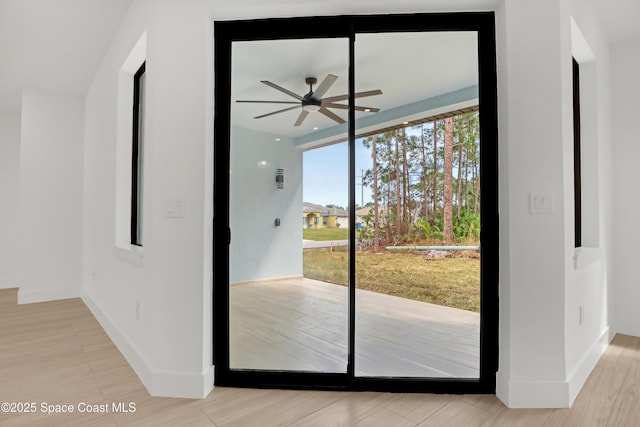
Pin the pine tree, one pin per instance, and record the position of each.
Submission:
(448, 179)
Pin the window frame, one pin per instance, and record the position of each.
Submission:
(137, 157)
(577, 161)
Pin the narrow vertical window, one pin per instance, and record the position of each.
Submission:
(577, 180)
(137, 157)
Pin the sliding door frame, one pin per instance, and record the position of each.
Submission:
(227, 32)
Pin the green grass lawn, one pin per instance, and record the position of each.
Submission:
(451, 282)
(325, 234)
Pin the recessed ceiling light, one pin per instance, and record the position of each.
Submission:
(277, 139)
(405, 123)
(315, 128)
(367, 110)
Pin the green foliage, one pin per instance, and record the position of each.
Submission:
(466, 226)
(426, 227)
(409, 179)
(366, 232)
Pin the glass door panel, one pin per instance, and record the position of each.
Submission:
(418, 214)
(288, 300)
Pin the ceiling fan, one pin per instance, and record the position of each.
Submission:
(314, 102)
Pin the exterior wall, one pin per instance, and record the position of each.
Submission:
(259, 250)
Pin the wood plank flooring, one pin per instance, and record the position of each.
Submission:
(301, 324)
(56, 352)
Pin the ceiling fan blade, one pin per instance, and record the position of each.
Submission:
(358, 108)
(356, 95)
(269, 102)
(333, 116)
(324, 86)
(281, 89)
(277, 112)
(303, 115)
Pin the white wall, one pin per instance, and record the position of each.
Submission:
(259, 250)
(588, 269)
(50, 241)
(9, 189)
(532, 367)
(625, 59)
(157, 300)
(543, 354)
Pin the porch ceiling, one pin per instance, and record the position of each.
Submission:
(420, 75)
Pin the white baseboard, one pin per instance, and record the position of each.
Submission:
(549, 394)
(579, 375)
(28, 297)
(177, 384)
(535, 394)
(158, 383)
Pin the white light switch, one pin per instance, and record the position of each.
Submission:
(174, 208)
(540, 203)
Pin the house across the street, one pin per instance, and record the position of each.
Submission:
(317, 216)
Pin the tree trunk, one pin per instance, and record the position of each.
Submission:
(406, 181)
(425, 196)
(398, 201)
(435, 167)
(388, 204)
(448, 178)
(476, 196)
(466, 183)
(459, 189)
(376, 211)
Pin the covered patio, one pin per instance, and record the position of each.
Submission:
(301, 324)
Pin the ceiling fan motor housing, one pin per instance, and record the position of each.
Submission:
(311, 104)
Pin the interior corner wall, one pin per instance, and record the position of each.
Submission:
(9, 190)
(151, 303)
(50, 208)
(625, 59)
(587, 288)
(532, 353)
(546, 349)
(259, 249)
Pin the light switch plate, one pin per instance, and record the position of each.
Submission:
(174, 208)
(540, 203)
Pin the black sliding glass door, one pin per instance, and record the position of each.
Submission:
(355, 203)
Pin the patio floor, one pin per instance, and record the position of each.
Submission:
(301, 324)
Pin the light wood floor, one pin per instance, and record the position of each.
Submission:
(301, 324)
(56, 352)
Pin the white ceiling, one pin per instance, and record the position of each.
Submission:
(54, 45)
(407, 67)
(57, 45)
